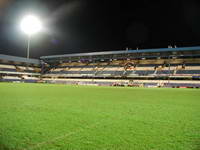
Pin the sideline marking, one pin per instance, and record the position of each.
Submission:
(38, 145)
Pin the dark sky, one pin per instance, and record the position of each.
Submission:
(73, 26)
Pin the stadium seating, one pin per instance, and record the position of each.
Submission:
(15, 72)
(118, 65)
(118, 70)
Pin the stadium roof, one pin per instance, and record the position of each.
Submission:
(132, 54)
(19, 59)
(121, 52)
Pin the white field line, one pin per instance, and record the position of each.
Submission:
(38, 145)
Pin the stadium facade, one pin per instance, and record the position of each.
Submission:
(168, 67)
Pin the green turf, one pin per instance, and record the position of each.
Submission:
(61, 117)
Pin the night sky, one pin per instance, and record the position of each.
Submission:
(73, 26)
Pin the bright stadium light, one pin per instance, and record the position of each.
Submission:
(30, 25)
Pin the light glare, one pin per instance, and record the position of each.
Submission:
(31, 25)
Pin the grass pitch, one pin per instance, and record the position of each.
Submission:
(61, 117)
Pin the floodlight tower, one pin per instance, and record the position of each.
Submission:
(30, 25)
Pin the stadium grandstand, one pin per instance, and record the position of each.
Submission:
(18, 69)
(168, 67)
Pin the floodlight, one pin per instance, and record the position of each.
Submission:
(31, 25)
